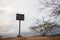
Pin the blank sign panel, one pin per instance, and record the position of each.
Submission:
(19, 16)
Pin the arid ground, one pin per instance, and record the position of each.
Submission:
(33, 38)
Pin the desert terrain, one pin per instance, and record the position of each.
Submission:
(33, 38)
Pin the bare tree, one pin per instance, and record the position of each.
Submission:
(47, 26)
(44, 27)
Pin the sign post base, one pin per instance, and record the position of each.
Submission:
(19, 36)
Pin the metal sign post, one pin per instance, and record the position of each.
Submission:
(19, 27)
(19, 17)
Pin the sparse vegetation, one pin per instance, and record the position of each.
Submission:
(34, 38)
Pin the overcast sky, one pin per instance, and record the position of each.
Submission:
(8, 10)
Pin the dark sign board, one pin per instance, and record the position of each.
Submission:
(19, 16)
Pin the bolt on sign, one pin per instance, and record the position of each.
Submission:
(19, 16)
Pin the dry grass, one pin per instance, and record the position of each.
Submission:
(34, 38)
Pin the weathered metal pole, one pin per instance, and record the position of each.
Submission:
(19, 17)
(19, 27)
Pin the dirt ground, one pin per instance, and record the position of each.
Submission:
(33, 38)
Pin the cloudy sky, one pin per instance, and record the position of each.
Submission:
(8, 10)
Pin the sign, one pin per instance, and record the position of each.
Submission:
(19, 16)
